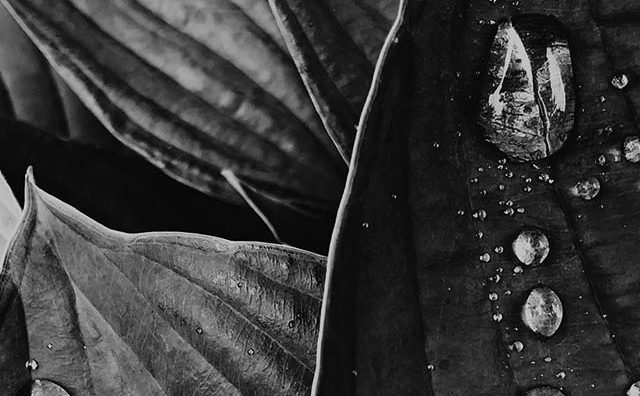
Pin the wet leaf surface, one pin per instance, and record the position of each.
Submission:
(335, 44)
(196, 87)
(102, 312)
(407, 307)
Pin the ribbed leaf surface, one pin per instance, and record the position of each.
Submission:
(103, 312)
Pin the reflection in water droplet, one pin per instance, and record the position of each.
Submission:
(544, 391)
(542, 312)
(619, 81)
(528, 98)
(632, 148)
(41, 387)
(31, 364)
(531, 247)
(587, 189)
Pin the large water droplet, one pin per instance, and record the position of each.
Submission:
(634, 389)
(544, 391)
(528, 99)
(632, 148)
(587, 189)
(542, 312)
(619, 81)
(531, 247)
(517, 346)
(47, 388)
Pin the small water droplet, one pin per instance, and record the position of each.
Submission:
(602, 160)
(526, 189)
(199, 330)
(430, 367)
(291, 324)
(632, 148)
(547, 359)
(250, 352)
(542, 312)
(520, 210)
(508, 174)
(436, 145)
(498, 249)
(485, 257)
(509, 203)
(602, 99)
(49, 346)
(501, 187)
(497, 317)
(483, 193)
(561, 375)
(394, 196)
(587, 189)
(517, 346)
(531, 247)
(494, 278)
(480, 214)
(509, 212)
(619, 81)
(544, 177)
(31, 364)
(460, 212)
(480, 169)
(518, 269)
(493, 296)
(365, 225)
(507, 292)
(479, 234)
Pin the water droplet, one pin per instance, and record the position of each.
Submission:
(480, 169)
(250, 352)
(602, 99)
(501, 187)
(602, 160)
(365, 225)
(474, 180)
(632, 148)
(483, 193)
(508, 174)
(31, 364)
(42, 387)
(526, 189)
(520, 210)
(507, 292)
(587, 189)
(460, 212)
(509, 203)
(634, 390)
(430, 367)
(544, 391)
(517, 269)
(498, 249)
(542, 312)
(531, 247)
(291, 324)
(561, 375)
(509, 212)
(544, 177)
(497, 317)
(394, 196)
(528, 180)
(494, 278)
(479, 234)
(493, 296)
(49, 346)
(528, 98)
(436, 144)
(517, 346)
(199, 330)
(485, 257)
(619, 81)
(480, 214)
(547, 359)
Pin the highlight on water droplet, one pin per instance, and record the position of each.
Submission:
(542, 311)
(586, 189)
(528, 100)
(531, 247)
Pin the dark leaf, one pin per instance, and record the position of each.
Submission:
(335, 44)
(103, 312)
(424, 295)
(197, 87)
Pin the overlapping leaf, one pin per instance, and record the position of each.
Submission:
(415, 258)
(335, 44)
(31, 92)
(197, 87)
(103, 312)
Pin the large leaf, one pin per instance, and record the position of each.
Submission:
(408, 307)
(107, 313)
(335, 44)
(198, 88)
(9, 214)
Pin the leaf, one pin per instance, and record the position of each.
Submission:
(335, 44)
(197, 88)
(9, 214)
(31, 92)
(104, 312)
(409, 306)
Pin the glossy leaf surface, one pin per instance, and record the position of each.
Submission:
(410, 306)
(103, 312)
(196, 87)
(335, 44)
